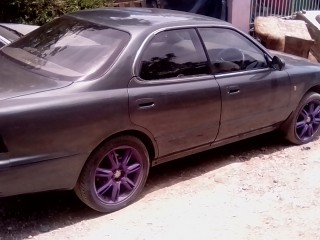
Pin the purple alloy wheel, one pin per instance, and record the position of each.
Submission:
(308, 120)
(118, 174)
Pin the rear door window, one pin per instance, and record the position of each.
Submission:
(174, 54)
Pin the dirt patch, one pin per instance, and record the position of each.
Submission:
(262, 188)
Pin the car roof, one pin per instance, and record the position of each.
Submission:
(144, 19)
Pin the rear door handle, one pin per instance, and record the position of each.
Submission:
(145, 103)
(233, 90)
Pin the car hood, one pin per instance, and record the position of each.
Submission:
(292, 60)
(17, 81)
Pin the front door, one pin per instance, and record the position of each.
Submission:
(253, 95)
(253, 100)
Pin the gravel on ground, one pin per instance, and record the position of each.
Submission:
(261, 188)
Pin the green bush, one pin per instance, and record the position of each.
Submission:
(42, 11)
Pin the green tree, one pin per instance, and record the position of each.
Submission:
(42, 11)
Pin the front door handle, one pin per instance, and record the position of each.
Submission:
(145, 103)
(233, 90)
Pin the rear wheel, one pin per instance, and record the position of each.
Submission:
(114, 174)
(303, 125)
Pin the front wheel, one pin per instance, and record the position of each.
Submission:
(303, 125)
(114, 174)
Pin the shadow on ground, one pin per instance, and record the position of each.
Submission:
(202, 163)
(30, 215)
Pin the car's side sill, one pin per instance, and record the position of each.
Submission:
(29, 160)
(220, 143)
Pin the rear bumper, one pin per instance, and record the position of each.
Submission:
(39, 173)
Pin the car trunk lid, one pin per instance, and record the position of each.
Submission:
(16, 80)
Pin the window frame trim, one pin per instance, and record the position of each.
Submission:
(240, 73)
(138, 56)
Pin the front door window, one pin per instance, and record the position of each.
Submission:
(230, 51)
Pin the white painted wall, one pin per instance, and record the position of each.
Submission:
(239, 13)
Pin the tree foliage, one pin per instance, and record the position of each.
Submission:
(42, 11)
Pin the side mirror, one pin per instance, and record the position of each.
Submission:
(277, 63)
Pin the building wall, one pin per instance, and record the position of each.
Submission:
(239, 13)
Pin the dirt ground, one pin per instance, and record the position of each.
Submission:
(262, 188)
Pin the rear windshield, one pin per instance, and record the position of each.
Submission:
(68, 48)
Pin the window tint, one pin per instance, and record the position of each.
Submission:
(68, 48)
(174, 54)
(230, 51)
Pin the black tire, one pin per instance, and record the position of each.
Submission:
(303, 124)
(114, 174)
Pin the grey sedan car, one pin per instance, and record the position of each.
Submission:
(10, 32)
(92, 100)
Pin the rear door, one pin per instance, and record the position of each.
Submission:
(174, 95)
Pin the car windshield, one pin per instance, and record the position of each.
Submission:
(68, 49)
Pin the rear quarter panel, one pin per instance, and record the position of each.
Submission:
(49, 136)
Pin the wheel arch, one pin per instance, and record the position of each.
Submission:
(315, 89)
(289, 127)
(143, 137)
(304, 92)
(285, 123)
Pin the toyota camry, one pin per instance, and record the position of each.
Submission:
(92, 100)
